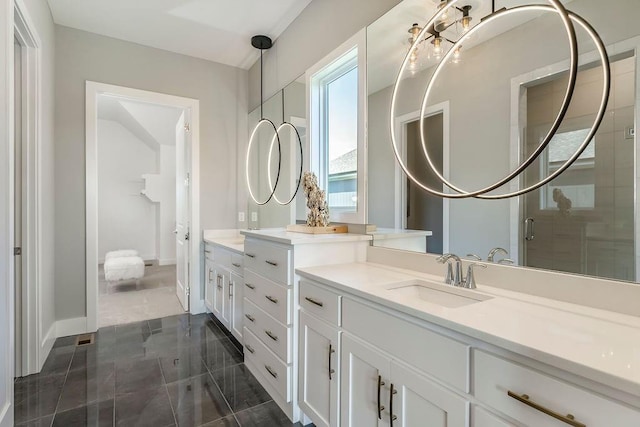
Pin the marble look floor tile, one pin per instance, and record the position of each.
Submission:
(85, 386)
(92, 356)
(58, 361)
(183, 364)
(99, 414)
(138, 375)
(36, 396)
(170, 322)
(241, 389)
(65, 341)
(121, 308)
(265, 415)
(40, 422)
(229, 421)
(220, 354)
(135, 328)
(197, 400)
(150, 408)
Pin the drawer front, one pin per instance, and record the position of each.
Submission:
(268, 365)
(270, 297)
(208, 252)
(320, 301)
(272, 261)
(428, 351)
(483, 418)
(273, 334)
(236, 263)
(495, 377)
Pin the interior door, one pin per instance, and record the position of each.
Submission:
(182, 231)
(17, 226)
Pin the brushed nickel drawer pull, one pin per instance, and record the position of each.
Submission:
(271, 371)
(251, 350)
(273, 263)
(250, 317)
(235, 264)
(250, 286)
(271, 335)
(250, 255)
(567, 419)
(314, 301)
(272, 299)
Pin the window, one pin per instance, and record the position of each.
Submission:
(337, 130)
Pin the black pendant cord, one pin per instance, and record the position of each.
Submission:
(261, 86)
(493, 6)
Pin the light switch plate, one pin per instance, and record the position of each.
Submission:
(254, 216)
(241, 216)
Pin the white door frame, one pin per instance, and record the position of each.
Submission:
(34, 344)
(401, 123)
(93, 89)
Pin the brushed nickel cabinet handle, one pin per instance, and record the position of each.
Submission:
(250, 317)
(392, 417)
(273, 263)
(250, 255)
(236, 265)
(271, 371)
(250, 286)
(314, 301)
(209, 277)
(231, 284)
(380, 407)
(248, 347)
(272, 299)
(331, 371)
(271, 335)
(567, 419)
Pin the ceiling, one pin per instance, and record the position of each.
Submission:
(215, 30)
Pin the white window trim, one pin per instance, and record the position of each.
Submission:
(317, 153)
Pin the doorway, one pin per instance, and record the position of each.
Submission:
(141, 205)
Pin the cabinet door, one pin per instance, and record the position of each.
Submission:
(218, 287)
(208, 284)
(416, 400)
(237, 311)
(319, 373)
(364, 384)
(227, 292)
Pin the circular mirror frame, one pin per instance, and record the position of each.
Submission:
(253, 134)
(271, 186)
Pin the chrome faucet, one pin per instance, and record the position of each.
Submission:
(453, 278)
(470, 281)
(494, 251)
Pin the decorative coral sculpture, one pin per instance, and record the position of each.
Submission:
(318, 215)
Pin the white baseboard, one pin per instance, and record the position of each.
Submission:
(166, 261)
(75, 326)
(45, 347)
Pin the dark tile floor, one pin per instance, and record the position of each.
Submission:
(176, 371)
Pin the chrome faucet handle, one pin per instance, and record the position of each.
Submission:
(506, 261)
(446, 258)
(474, 257)
(470, 281)
(494, 251)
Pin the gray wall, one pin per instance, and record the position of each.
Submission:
(318, 30)
(222, 91)
(479, 91)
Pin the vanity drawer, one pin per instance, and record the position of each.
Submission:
(439, 356)
(267, 364)
(272, 261)
(272, 333)
(320, 301)
(236, 263)
(494, 378)
(208, 252)
(271, 297)
(482, 418)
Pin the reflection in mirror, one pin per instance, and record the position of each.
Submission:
(488, 110)
(288, 105)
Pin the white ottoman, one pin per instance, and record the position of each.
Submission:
(123, 268)
(121, 254)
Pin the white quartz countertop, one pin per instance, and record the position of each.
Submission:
(229, 239)
(599, 345)
(280, 235)
(396, 233)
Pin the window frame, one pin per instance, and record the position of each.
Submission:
(345, 58)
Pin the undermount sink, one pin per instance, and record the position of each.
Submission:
(444, 295)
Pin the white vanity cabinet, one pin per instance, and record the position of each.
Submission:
(398, 370)
(273, 329)
(223, 278)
